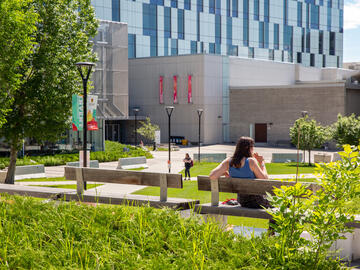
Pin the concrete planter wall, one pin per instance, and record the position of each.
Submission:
(132, 163)
(93, 164)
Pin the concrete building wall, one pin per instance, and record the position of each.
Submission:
(353, 101)
(206, 92)
(280, 106)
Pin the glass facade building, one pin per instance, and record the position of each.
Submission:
(308, 32)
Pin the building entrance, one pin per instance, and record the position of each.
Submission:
(260, 133)
(114, 131)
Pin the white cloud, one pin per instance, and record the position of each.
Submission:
(352, 14)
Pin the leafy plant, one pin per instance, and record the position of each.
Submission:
(347, 130)
(147, 129)
(308, 134)
(323, 214)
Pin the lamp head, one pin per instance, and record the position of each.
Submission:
(169, 110)
(200, 111)
(85, 65)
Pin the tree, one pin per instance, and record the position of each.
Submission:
(41, 106)
(347, 130)
(147, 129)
(17, 25)
(308, 134)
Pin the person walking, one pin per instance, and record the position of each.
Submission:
(188, 164)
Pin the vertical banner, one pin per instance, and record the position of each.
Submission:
(161, 89)
(91, 112)
(77, 113)
(175, 90)
(189, 89)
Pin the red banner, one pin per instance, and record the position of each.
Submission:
(161, 90)
(189, 89)
(175, 90)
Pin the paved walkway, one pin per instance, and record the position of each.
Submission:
(159, 164)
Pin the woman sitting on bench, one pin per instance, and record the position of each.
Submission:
(244, 164)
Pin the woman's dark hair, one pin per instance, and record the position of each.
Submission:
(187, 155)
(243, 147)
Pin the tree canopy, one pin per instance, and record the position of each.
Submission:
(147, 129)
(41, 107)
(347, 130)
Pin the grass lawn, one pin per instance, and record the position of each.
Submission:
(137, 169)
(204, 168)
(89, 186)
(190, 191)
(43, 179)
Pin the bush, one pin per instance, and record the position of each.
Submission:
(347, 130)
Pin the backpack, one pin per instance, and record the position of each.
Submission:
(191, 163)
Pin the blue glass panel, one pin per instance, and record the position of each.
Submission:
(153, 46)
(266, 10)
(261, 34)
(332, 43)
(174, 3)
(299, 14)
(193, 46)
(321, 2)
(180, 24)
(314, 16)
(212, 6)
(228, 4)
(246, 22)
(288, 38)
(166, 46)
(218, 7)
(187, 4)
(307, 15)
(132, 46)
(198, 26)
(321, 41)
(329, 3)
(235, 9)
(228, 30)
(149, 20)
(174, 47)
(217, 48)
(256, 10)
(303, 39)
(212, 48)
(308, 42)
(285, 12)
(341, 20)
(200, 5)
(167, 22)
(329, 18)
(116, 10)
(160, 2)
(217, 29)
(232, 50)
(201, 47)
(276, 36)
(266, 35)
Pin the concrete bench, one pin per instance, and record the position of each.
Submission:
(162, 180)
(261, 187)
(132, 163)
(29, 171)
(210, 157)
(93, 164)
(286, 157)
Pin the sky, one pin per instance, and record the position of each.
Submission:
(351, 31)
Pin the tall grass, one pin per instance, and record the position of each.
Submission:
(37, 235)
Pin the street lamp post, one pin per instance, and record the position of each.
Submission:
(169, 110)
(85, 77)
(136, 110)
(199, 112)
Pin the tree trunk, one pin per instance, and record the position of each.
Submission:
(10, 176)
(309, 157)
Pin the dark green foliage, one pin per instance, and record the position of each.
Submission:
(347, 130)
(36, 235)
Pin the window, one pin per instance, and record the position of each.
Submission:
(288, 38)
(193, 47)
(212, 48)
(166, 46)
(307, 15)
(218, 7)
(308, 40)
(181, 24)
(324, 61)
(149, 20)
(167, 22)
(132, 46)
(266, 35)
(285, 12)
(246, 23)
(187, 4)
(228, 4)
(201, 47)
(298, 57)
(198, 26)
(256, 10)
(299, 14)
(218, 48)
(341, 21)
(276, 36)
(329, 18)
(321, 41)
(261, 34)
(266, 10)
(303, 39)
(200, 5)
(235, 4)
(315, 16)
(271, 54)
(251, 52)
(174, 3)
(212, 6)
(153, 46)
(228, 30)
(332, 43)
(217, 29)
(116, 10)
(174, 47)
(232, 50)
(312, 60)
